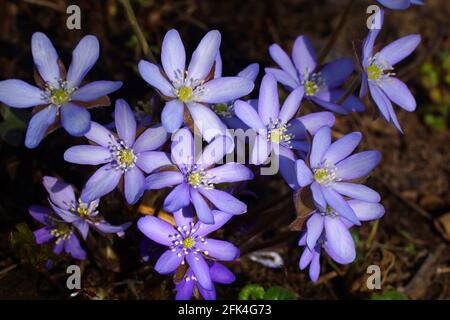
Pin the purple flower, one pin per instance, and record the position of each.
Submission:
(61, 94)
(58, 231)
(383, 86)
(187, 243)
(328, 229)
(218, 273)
(399, 4)
(194, 177)
(82, 215)
(277, 131)
(123, 155)
(192, 87)
(319, 86)
(330, 164)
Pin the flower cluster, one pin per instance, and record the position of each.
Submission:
(200, 108)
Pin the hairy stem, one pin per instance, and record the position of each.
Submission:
(138, 31)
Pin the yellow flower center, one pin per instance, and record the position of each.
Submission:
(195, 178)
(185, 94)
(59, 96)
(189, 243)
(311, 88)
(126, 157)
(374, 72)
(325, 175)
(83, 210)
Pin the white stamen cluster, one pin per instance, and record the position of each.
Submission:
(85, 210)
(325, 174)
(184, 241)
(197, 177)
(312, 82)
(59, 94)
(187, 89)
(378, 69)
(277, 132)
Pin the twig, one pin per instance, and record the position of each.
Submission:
(7, 269)
(137, 30)
(335, 35)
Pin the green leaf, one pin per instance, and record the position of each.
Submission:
(252, 292)
(389, 295)
(279, 293)
(435, 122)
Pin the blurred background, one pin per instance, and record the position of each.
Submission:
(410, 244)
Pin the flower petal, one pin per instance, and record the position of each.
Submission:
(342, 148)
(178, 198)
(261, 150)
(72, 246)
(315, 227)
(304, 174)
(133, 185)
(19, 94)
(172, 115)
(396, 4)
(230, 172)
(338, 204)
(283, 77)
(224, 201)
(250, 72)
(318, 197)
(184, 217)
(173, 55)
(61, 193)
(303, 55)
(202, 209)
(314, 268)
(291, 104)
(329, 105)
(100, 135)
(87, 154)
(75, 119)
(168, 262)
(163, 180)
(43, 235)
(399, 49)
(38, 126)
(39, 213)
(380, 99)
(225, 89)
(268, 103)
(215, 151)
(398, 92)
(102, 182)
(220, 218)
(357, 165)
(339, 239)
(45, 58)
(206, 121)
(287, 167)
(366, 211)
(151, 160)
(221, 274)
(125, 122)
(204, 56)
(336, 72)
(313, 122)
(247, 114)
(357, 191)
(157, 230)
(152, 75)
(282, 59)
(220, 250)
(151, 139)
(320, 145)
(182, 148)
(84, 57)
(200, 269)
(95, 90)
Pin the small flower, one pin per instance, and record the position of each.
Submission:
(77, 212)
(330, 164)
(378, 74)
(187, 242)
(195, 177)
(56, 230)
(61, 98)
(122, 154)
(328, 229)
(192, 87)
(277, 130)
(219, 274)
(319, 86)
(399, 4)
